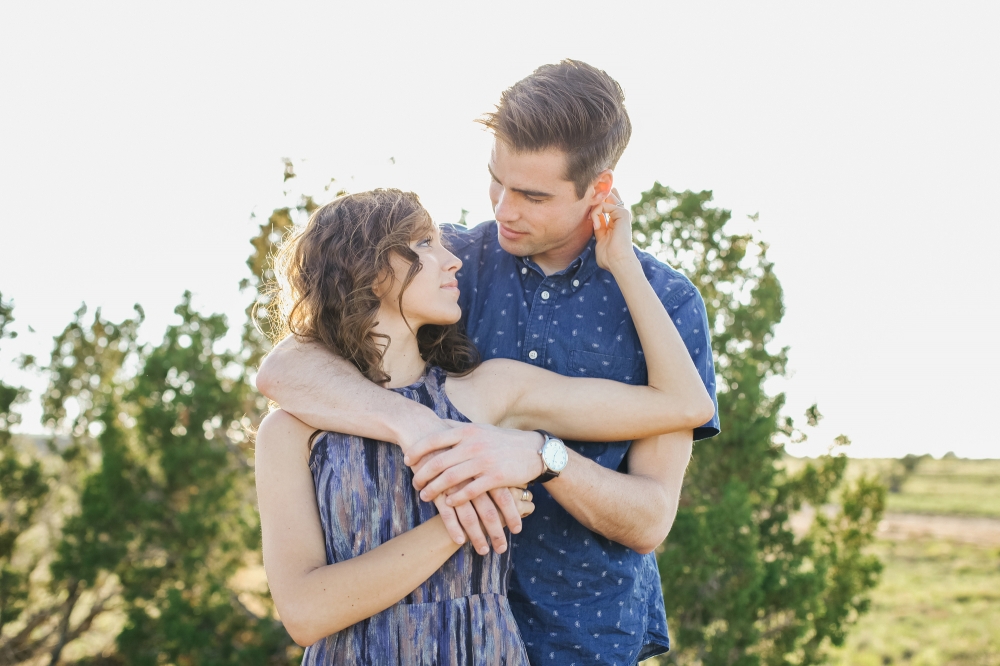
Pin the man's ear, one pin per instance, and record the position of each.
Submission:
(601, 187)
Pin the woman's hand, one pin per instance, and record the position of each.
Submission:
(524, 501)
(613, 230)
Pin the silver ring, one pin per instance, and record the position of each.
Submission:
(525, 495)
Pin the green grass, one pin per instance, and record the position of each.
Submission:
(938, 604)
(953, 487)
(938, 601)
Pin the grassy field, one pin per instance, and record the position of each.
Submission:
(949, 487)
(938, 602)
(952, 487)
(939, 599)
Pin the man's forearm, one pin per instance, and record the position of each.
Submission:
(329, 393)
(629, 509)
(635, 509)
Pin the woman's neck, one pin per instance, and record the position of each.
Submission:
(402, 361)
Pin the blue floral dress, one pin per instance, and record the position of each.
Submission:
(457, 617)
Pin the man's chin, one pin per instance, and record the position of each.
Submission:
(519, 247)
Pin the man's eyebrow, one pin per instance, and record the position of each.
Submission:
(527, 193)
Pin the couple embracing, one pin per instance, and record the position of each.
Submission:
(483, 432)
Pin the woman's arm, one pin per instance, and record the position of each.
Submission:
(518, 395)
(313, 598)
(329, 393)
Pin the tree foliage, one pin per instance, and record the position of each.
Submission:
(741, 587)
(23, 490)
(146, 520)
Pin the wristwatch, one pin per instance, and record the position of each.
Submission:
(554, 457)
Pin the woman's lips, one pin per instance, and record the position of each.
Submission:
(452, 286)
(510, 234)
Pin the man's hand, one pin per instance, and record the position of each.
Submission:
(479, 458)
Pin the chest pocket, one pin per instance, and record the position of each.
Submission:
(603, 366)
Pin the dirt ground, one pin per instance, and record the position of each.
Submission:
(903, 526)
(963, 529)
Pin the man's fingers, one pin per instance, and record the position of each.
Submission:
(490, 517)
(470, 521)
(482, 484)
(438, 461)
(450, 478)
(505, 503)
(450, 520)
(433, 442)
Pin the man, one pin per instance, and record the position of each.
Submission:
(585, 586)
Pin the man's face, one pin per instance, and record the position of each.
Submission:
(536, 208)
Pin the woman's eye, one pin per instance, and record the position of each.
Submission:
(425, 242)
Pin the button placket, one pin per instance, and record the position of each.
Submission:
(539, 319)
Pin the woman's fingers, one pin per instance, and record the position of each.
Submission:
(508, 507)
(450, 520)
(470, 521)
(491, 520)
(523, 498)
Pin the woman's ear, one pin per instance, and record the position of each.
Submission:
(383, 284)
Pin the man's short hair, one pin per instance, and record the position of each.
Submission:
(572, 106)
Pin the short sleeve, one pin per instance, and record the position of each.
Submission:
(687, 310)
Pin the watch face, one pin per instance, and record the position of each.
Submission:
(554, 454)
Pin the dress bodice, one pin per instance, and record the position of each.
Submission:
(365, 497)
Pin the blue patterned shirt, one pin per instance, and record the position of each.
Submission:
(578, 597)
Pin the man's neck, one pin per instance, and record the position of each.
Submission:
(558, 258)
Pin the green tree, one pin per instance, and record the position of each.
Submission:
(153, 515)
(158, 513)
(741, 588)
(257, 332)
(23, 491)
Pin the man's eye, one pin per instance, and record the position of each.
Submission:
(532, 200)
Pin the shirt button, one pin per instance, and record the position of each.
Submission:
(524, 271)
(545, 295)
(576, 283)
(532, 354)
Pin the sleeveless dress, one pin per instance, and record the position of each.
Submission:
(457, 617)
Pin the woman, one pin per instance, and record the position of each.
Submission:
(360, 569)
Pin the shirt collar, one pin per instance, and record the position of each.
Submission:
(578, 271)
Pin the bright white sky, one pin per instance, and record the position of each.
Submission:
(137, 138)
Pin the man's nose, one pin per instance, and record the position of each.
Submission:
(504, 210)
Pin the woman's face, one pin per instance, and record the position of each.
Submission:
(432, 295)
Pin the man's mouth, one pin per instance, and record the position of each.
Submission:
(510, 233)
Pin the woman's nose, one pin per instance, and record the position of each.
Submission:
(452, 262)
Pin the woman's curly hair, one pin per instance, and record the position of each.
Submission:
(326, 275)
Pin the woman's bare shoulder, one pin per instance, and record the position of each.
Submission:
(500, 368)
(488, 373)
(486, 394)
(279, 429)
